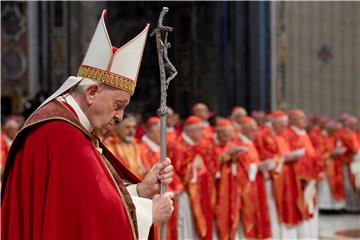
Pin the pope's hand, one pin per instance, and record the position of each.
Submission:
(161, 172)
(162, 207)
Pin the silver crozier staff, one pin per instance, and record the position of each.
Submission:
(166, 67)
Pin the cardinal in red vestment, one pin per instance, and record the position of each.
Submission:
(306, 170)
(219, 153)
(186, 152)
(254, 211)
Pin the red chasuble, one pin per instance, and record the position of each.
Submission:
(58, 186)
(334, 170)
(254, 212)
(149, 158)
(4, 150)
(197, 184)
(318, 139)
(349, 140)
(224, 190)
(304, 169)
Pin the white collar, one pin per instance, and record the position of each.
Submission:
(170, 129)
(81, 115)
(244, 139)
(298, 131)
(152, 145)
(187, 139)
(8, 140)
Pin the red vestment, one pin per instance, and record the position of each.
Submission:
(57, 186)
(304, 169)
(150, 157)
(171, 135)
(349, 140)
(208, 131)
(334, 170)
(197, 183)
(4, 150)
(224, 190)
(318, 139)
(129, 153)
(285, 184)
(265, 143)
(254, 212)
(140, 132)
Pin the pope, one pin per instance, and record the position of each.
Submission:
(60, 181)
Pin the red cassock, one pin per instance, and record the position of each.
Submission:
(318, 139)
(254, 212)
(150, 157)
(265, 143)
(171, 135)
(4, 150)
(58, 186)
(208, 131)
(224, 189)
(306, 168)
(196, 183)
(286, 184)
(140, 132)
(349, 140)
(334, 170)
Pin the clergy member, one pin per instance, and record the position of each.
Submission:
(306, 172)
(254, 211)
(201, 110)
(60, 181)
(195, 217)
(122, 143)
(219, 154)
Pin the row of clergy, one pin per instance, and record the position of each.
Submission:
(243, 179)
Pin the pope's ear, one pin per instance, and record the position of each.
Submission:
(91, 94)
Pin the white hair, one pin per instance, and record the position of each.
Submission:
(84, 84)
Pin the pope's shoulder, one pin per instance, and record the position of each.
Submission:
(56, 129)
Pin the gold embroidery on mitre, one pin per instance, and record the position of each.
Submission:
(106, 77)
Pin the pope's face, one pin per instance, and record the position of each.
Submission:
(106, 107)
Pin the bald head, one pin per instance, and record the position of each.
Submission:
(298, 119)
(201, 110)
(238, 113)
